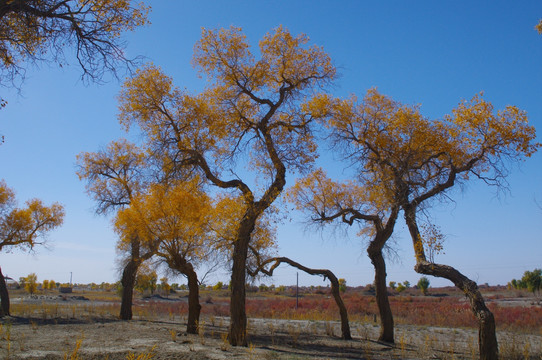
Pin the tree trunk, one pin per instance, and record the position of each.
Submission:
(345, 325)
(4, 296)
(194, 306)
(128, 282)
(489, 349)
(487, 339)
(382, 300)
(238, 316)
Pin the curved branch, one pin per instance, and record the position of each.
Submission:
(327, 274)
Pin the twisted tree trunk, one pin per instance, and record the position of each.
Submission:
(128, 282)
(345, 325)
(194, 307)
(180, 264)
(238, 316)
(487, 339)
(386, 316)
(4, 296)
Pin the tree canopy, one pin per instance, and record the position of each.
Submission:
(42, 30)
(24, 228)
(252, 118)
(423, 159)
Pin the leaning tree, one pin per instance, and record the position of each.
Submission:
(251, 115)
(353, 203)
(115, 176)
(425, 158)
(23, 228)
(172, 222)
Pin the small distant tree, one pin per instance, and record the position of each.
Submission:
(218, 286)
(406, 283)
(146, 279)
(31, 283)
(532, 280)
(400, 288)
(342, 285)
(51, 285)
(393, 285)
(165, 286)
(45, 285)
(423, 284)
(517, 284)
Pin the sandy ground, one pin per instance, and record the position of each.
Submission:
(163, 337)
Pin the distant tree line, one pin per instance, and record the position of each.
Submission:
(531, 280)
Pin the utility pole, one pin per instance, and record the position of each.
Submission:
(297, 290)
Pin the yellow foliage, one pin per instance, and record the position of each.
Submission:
(31, 283)
(392, 143)
(170, 219)
(114, 175)
(538, 27)
(24, 227)
(252, 114)
(228, 212)
(252, 105)
(404, 158)
(31, 30)
(327, 200)
(146, 278)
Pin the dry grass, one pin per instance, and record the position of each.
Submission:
(427, 327)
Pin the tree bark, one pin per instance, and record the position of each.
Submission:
(382, 300)
(383, 232)
(194, 307)
(4, 296)
(128, 282)
(345, 325)
(238, 316)
(488, 345)
(487, 339)
(177, 261)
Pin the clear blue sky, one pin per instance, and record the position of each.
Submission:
(426, 52)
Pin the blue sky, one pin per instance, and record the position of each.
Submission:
(430, 53)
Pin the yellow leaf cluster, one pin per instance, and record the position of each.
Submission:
(228, 211)
(32, 29)
(114, 175)
(24, 227)
(396, 146)
(173, 218)
(253, 107)
(327, 200)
